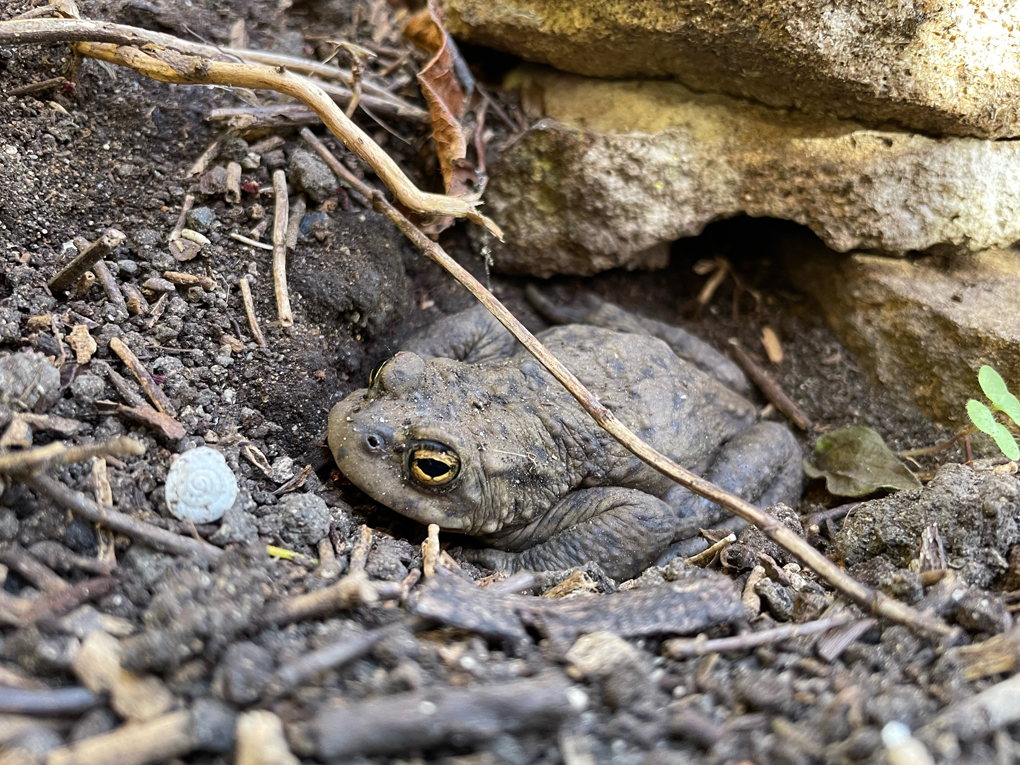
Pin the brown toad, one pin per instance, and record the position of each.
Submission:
(486, 442)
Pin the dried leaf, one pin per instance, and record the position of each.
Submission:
(855, 462)
(444, 95)
(81, 343)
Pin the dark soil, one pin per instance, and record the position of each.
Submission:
(113, 151)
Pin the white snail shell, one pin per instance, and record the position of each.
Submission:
(200, 486)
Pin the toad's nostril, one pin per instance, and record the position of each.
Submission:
(373, 442)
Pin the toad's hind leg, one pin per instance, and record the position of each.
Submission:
(762, 465)
(623, 530)
(472, 336)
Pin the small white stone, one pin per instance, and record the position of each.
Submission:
(200, 486)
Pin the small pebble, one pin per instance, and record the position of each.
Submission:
(200, 219)
(87, 388)
(25, 378)
(304, 518)
(310, 174)
(200, 486)
(128, 267)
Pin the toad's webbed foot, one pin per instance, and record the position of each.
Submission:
(600, 313)
(623, 530)
(472, 336)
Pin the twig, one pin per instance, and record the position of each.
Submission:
(190, 280)
(71, 700)
(250, 242)
(13, 609)
(68, 276)
(111, 288)
(36, 87)
(145, 415)
(815, 520)
(353, 590)
(280, 214)
(866, 597)
(685, 649)
(333, 656)
(55, 555)
(165, 738)
(769, 387)
(169, 64)
(155, 537)
(709, 553)
(157, 311)
(59, 603)
(33, 569)
(249, 309)
(233, 194)
(124, 388)
(294, 217)
(908, 453)
(189, 202)
(43, 458)
(152, 390)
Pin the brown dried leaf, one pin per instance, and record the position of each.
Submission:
(81, 343)
(444, 95)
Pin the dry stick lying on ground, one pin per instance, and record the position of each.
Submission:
(681, 648)
(249, 310)
(872, 600)
(155, 537)
(768, 386)
(170, 65)
(281, 211)
(52, 455)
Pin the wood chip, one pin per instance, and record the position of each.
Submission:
(82, 343)
(73, 271)
(161, 422)
(430, 551)
(770, 341)
(190, 280)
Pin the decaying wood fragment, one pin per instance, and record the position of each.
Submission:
(281, 213)
(155, 537)
(111, 288)
(689, 605)
(249, 311)
(207, 726)
(40, 458)
(415, 721)
(152, 390)
(73, 271)
(769, 387)
(190, 280)
(233, 194)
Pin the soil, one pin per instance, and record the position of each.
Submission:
(113, 151)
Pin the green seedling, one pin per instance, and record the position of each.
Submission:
(1003, 401)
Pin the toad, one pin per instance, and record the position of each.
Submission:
(467, 430)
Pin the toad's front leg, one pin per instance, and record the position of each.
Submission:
(623, 530)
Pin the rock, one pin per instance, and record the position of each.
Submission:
(924, 326)
(87, 388)
(310, 174)
(244, 672)
(201, 219)
(200, 486)
(977, 514)
(305, 519)
(612, 662)
(620, 169)
(27, 378)
(946, 68)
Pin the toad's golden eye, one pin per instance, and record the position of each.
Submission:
(431, 464)
(374, 374)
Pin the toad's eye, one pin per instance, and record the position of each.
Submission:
(431, 464)
(374, 374)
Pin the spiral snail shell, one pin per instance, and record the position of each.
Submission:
(200, 486)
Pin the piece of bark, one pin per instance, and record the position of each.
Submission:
(698, 600)
(414, 721)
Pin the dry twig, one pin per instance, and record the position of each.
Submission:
(152, 390)
(41, 458)
(155, 537)
(69, 275)
(864, 596)
(280, 214)
(684, 649)
(768, 386)
(249, 310)
(166, 58)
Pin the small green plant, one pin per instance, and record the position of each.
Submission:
(1002, 401)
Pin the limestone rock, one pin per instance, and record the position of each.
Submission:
(950, 68)
(925, 326)
(619, 169)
